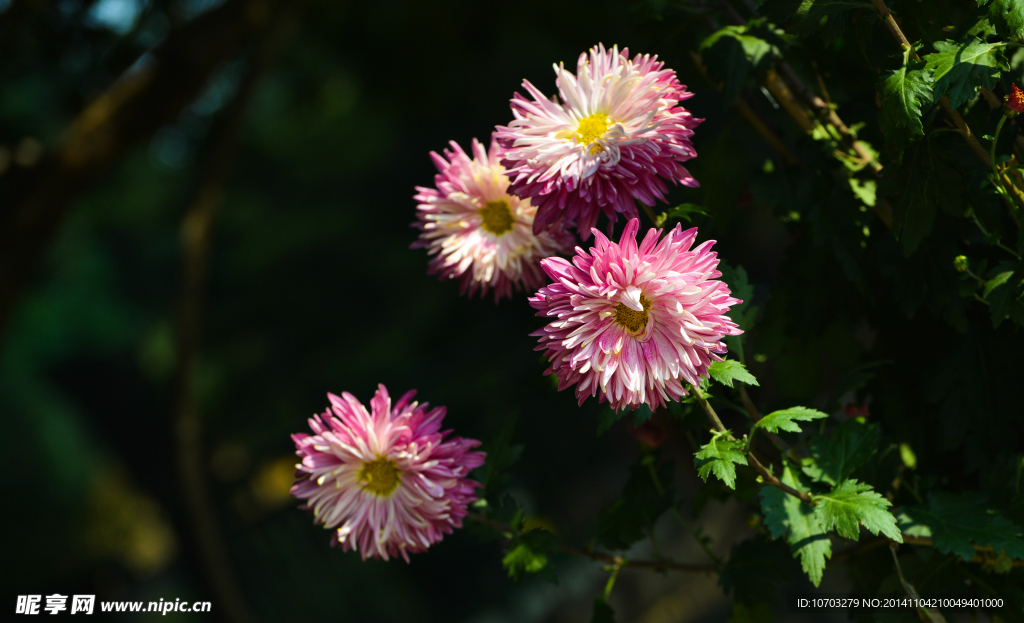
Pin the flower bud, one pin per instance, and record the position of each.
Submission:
(960, 263)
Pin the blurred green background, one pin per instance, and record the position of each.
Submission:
(312, 288)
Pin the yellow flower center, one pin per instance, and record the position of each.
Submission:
(380, 475)
(630, 319)
(497, 217)
(592, 127)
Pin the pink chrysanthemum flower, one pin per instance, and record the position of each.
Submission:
(615, 136)
(386, 481)
(477, 231)
(634, 322)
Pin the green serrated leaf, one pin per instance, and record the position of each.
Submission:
(1005, 295)
(852, 504)
(955, 521)
(960, 67)
(509, 512)
(528, 554)
(720, 455)
(603, 613)
(982, 29)
(1008, 17)
(849, 447)
(904, 92)
(643, 501)
(728, 371)
(996, 281)
(787, 419)
(734, 53)
(786, 514)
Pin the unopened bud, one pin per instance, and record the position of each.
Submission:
(960, 263)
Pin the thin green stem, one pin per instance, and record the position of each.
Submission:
(715, 421)
(766, 474)
(611, 580)
(990, 237)
(976, 277)
(992, 149)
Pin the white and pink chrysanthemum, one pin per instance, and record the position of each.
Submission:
(478, 232)
(386, 481)
(634, 323)
(616, 135)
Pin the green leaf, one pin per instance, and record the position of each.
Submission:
(853, 379)
(643, 501)
(996, 281)
(685, 210)
(641, 414)
(960, 67)
(849, 447)
(925, 180)
(955, 521)
(914, 213)
(720, 455)
(787, 419)
(982, 29)
(807, 16)
(603, 613)
(609, 417)
(734, 53)
(508, 511)
(1003, 293)
(786, 514)
(727, 371)
(528, 554)
(904, 92)
(1008, 17)
(501, 455)
(852, 504)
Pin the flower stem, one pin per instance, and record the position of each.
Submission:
(611, 580)
(992, 149)
(766, 474)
